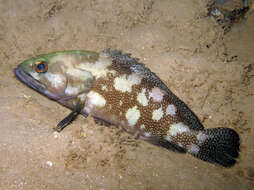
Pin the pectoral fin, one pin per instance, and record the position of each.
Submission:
(68, 119)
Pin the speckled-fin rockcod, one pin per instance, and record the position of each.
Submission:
(115, 88)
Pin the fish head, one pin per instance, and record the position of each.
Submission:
(57, 75)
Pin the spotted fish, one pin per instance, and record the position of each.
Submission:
(116, 89)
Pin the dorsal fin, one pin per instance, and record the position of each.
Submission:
(124, 63)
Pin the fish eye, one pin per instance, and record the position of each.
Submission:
(41, 66)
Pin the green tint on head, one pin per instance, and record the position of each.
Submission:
(59, 73)
(88, 55)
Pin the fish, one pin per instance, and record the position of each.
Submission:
(117, 89)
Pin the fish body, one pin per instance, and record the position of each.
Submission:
(115, 88)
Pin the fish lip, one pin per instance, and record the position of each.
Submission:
(34, 84)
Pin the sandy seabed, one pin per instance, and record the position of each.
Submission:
(211, 71)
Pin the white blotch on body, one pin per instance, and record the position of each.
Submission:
(157, 114)
(178, 128)
(69, 62)
(156, 94)
(171, 110)
(94, 99)
(132, 115)
(56, 80)
(147, 134)
(99, 68)
(193, 149)
(120, 102)
(201, 137)
(79, 73)
(141, 97)
(72, 90)
(125, 82)
(76, 68)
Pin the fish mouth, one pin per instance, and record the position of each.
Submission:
(34, 84)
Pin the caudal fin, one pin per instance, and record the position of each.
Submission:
(218, 145)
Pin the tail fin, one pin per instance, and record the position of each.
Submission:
(218, 145)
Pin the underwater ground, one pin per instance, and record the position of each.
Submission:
(209, 69)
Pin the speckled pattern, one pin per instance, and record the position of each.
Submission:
(116, 88)
(210, 71)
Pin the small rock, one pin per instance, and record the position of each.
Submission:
(49, 163)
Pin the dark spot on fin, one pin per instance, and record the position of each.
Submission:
(67, 120)
(127, 64)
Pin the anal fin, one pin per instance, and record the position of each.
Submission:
(164, 143)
